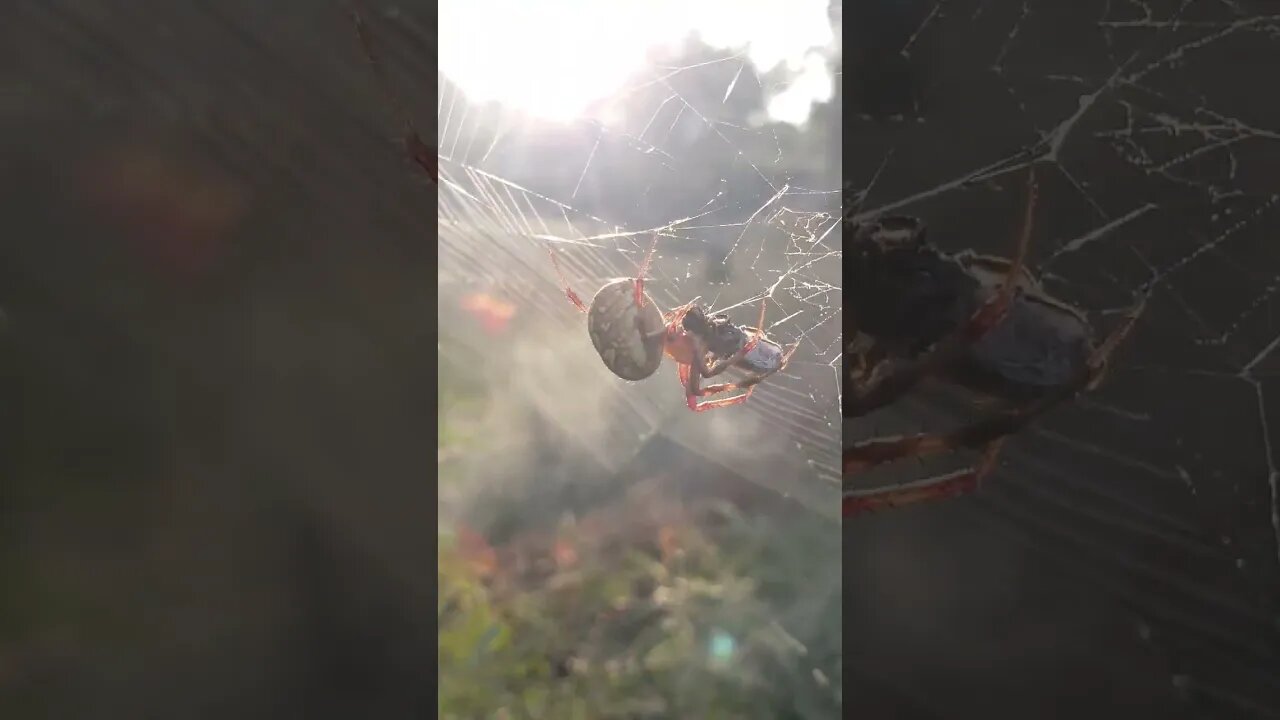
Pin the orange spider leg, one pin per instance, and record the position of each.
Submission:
(876, 451)
(759, 329)
(722, 364)
(564, 282)
(954, 484)
(693, 396)
(749, 385)
(692, 385)
(644, 269)
(703, 406)
(987, 433)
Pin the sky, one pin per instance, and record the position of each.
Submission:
(553, 58)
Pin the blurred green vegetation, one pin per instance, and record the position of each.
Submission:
(645, 607)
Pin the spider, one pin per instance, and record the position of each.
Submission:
(632, 336)
(979, 322)
(626, 327)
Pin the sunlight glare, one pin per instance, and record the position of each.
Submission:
(553, 59)
(814, 84)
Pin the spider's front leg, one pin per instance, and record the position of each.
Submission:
(954, 484)
(691, 378)
(748, 384)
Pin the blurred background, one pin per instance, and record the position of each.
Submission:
(216, 289)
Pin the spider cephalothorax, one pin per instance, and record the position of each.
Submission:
(721, 337)
(631, 335)
(980, 322)
(899, 288)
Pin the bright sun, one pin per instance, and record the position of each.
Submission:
(554, 58)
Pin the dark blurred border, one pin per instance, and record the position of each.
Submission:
(217, 365)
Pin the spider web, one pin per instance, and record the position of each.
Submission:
(1155, 160)
(745, 211)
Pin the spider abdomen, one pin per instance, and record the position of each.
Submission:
(1040, 345)
(766, 356)
(629, 339)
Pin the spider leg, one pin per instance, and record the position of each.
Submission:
(759, 329)
(752, 379)
(1099, 360)
(703, 406)
(1024, 238)
(748, 384)
(988, 433)
(953, 484)
(891, 380)
(720, 365)
(675, 317)
(564, 282)
(864, 396)
(644, 269)
(691, 375)
(994, 310)
(864, 361)
(876, 451)
(419, 151)
(697, 405)
(690, 379)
